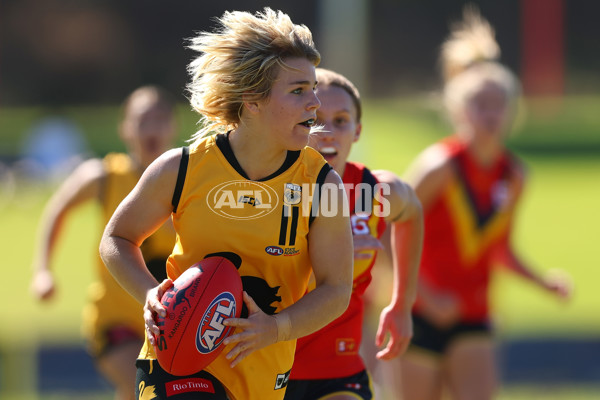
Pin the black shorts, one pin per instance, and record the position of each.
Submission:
(112, 339)
(151, 380)
(427, 336)
(358, 385)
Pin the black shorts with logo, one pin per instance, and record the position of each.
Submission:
(153, 382)
(358, 385)
(429, 337)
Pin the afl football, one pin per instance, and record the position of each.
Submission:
(192, 332)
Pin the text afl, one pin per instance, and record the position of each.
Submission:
(245, 200)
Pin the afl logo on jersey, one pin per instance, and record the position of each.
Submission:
(242, 199)
(292, 194)
(274, 250)
(211, 331)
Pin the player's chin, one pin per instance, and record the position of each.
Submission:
(299, 139)
(330, 158)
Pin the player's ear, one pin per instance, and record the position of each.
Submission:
(122, 130)
(250, 102)
(357, 132)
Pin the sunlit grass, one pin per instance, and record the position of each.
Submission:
(558, 226)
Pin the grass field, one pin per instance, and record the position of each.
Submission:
(559, 227)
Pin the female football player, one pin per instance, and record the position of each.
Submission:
(469, 185)
(328, 364)
(112, 323)
(254, 84)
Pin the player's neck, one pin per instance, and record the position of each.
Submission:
(258, 158)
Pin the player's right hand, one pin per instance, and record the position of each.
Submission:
(153, 307)
(253, 333)
(443, 310)
(364, 243)
(42, 285)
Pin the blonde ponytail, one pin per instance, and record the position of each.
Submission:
(470, 41)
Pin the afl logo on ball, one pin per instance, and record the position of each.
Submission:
(211, 331)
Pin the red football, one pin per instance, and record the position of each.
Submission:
(192, 333)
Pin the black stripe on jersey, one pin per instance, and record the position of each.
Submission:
(362, 203)
(284, 224)
(223, 144)
(481, 217)
(185, 156)
(295, 216)
(231, 256)
(368, 177)
(317, 194)
(290, 159)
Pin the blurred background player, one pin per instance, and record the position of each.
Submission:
(469, 185)
(253, 82)
(113, 325)
(327, 362)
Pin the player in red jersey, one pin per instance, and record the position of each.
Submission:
(469, 185)
(327, 363)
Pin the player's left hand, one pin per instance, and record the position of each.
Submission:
(558, 282)
(257, 331)
(398, 323)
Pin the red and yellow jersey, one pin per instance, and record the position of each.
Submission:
(265, 224)
(110, 305)
(464, 223)
(332, 352)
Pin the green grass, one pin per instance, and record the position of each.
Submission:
(558, 227)
(551, 392)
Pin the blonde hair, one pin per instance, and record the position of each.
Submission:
(471, 40)
(328, 77)
(242, 57)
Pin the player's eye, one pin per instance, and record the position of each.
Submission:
(341, 121)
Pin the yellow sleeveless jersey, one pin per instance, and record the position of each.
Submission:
(110, 305)
(266, 224)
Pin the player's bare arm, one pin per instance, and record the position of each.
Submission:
(555, 281)
(143, 211)
(331, 251)
(429, 174)
(406, 218)
(82, 185)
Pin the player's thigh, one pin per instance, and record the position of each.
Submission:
(353, 387)
(420, 375)
(118, 365)
(470, 367)
(386, 379)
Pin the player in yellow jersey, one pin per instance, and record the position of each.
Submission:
(113, 326)
(254, 192)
